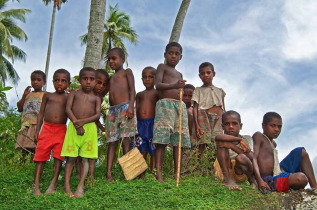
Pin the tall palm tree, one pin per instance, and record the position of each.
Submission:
(116, 29)
(56, 4)
(8, 32)
(95, 30)
(178, 24)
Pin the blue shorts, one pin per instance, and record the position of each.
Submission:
(145, 136)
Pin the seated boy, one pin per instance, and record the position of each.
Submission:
(145, 109)
(234, 153)
(121, 121)
(295, 170)
(53, 132)
(83, 110)
(168, 82)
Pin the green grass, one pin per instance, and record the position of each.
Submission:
(193, 192)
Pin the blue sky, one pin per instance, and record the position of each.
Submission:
(264, 53)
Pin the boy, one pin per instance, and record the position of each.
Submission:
(168, 82)
(187, 97)
(53, 132)
(234, 153)
(83, 110)
(30, 105)
(120, 121)
(208, 106)
(296, 165)
(145, 109)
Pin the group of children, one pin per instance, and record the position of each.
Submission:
(152, 117)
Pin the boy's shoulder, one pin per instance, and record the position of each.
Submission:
(163, 66)
(258, 136)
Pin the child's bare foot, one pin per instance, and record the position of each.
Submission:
(231, 185)
(253, 183)
(79, 192)
(69, 192)
(36, 190)
(142, 176)
(91, 179)
(51, 189)
(159, 178)
(110, 179)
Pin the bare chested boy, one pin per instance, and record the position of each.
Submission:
(53, 131)
(121, 121)
(293, 172)
(168, 82)
(145, 109)
(83, 110)
(234, 153)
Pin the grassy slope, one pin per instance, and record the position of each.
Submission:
(194, 192)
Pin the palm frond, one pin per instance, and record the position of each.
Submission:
(18, 14)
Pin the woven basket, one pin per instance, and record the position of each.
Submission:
(132, 164)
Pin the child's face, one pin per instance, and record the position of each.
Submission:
(148, 79)
(60, 82)
(173, 56)
(231, 125)
(273, 128)
(37, 82)
(206, 75)
(87, 81)
(187, 96)
(101, 82)
(115, 61)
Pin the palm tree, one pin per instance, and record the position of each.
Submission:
(8, 32)
(95, 30)
(56, 4)
(178, 24)
(116, 29)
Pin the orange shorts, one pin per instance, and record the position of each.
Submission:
(51, 138)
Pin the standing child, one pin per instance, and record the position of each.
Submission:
(297, 167)
(30, 105)
(168, 82)
(53, 132)
(187, 97)
(120, 121)
(145, 109)
(83, 110)
(208, 103)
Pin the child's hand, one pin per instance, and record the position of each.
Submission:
(179, 84)
(130, 112)
(199, 132)
(36, 137)
(27, 91)
(80, 131)
(103, 129)
(78, 123)
(244, 146)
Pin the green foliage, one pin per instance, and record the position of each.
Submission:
(3, 99)
(74, 85)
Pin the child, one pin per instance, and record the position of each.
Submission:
(120, 121)
(168, 82)
(234, 153)
(53, 132)
(210, 101)
(296, 165)
(30, 104)
(145, 109)
(187, 97)
(83, 110)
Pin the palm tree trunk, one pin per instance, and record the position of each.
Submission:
(178, 24)
(49, 48)
(109, 48)
(95, 33)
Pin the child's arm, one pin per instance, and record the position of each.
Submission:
(199, 132)
(21, 102)
(40, 116)
(257, 141)
(100, 126)
(69, 105)
(228, 138)
(166, 86)
(229, 145)
(130, 77)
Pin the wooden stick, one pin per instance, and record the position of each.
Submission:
(179, 137)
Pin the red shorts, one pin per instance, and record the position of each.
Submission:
(51, 138)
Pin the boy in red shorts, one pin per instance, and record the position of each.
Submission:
(53, 131)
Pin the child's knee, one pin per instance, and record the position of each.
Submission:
(304, 153)
(242, 158)
(298, 180)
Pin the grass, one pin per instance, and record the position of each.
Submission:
(193, 192)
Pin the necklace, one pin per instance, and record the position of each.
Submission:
(267, 137)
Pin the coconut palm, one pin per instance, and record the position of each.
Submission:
(56, 4)
(178, 24)
(116, 29)
(9, 31)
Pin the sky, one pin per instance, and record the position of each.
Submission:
(264, 53)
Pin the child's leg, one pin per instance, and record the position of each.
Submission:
(152, 163)
(57, 170)
(70, 161)
(125, 145)
(224, 162)
(142, 176)
(297, 181)
(38, 172)
(307, 169)
(92, 164)
(78, 166)
(84, 171)
(243, 160)
(201, 149)
(110, 158)
(159, 153)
